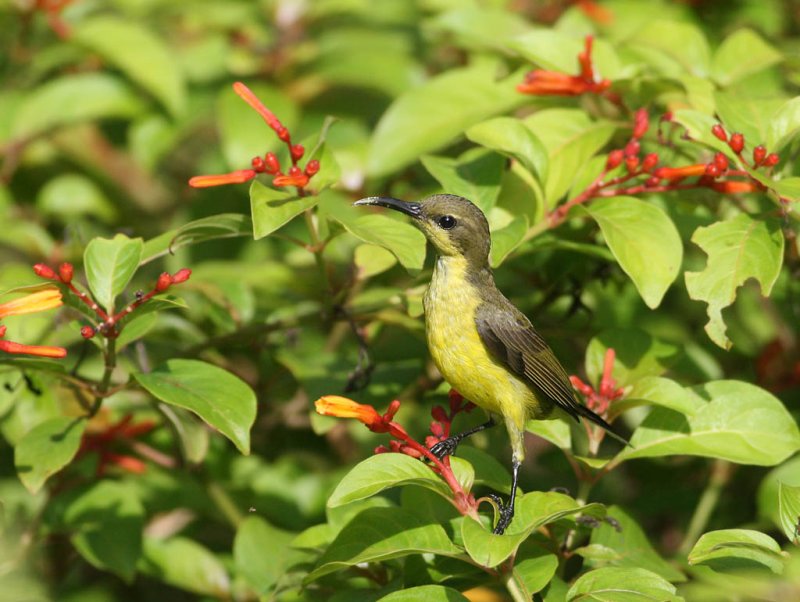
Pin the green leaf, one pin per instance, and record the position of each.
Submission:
(185, 564)
(508, 238)
(271, 208)
(663, 392)
(784, 125)
(73, 99)
(243, 133)
(633, 548)
(571, 139)
(108, 520)
(644, 241)
(434, 114)
(383, 471)
(384, 229)
(222, 400)
(429, 593)
(738, 249)
(731, 550)
(46, 449)
(684, 43)
(617, 584)
(260, 553)
(192, 433)
(474, 27)
(749, 115)
(509, 136)
(532, 511)
(378, 534)
(740, 423)
(371, 260)
(71, 196)
(742, 53)
(789, 511)
(110, 264)
(556, 432)
(475, 175)
(488, 471)
(153, 65)
(535, 572)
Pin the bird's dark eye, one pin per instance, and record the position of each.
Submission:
(447, 222)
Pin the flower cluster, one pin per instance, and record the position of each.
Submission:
(540, 82)
(269, 163)
(599, 400)
(43, 300)
(108, 325)
(104, 440)
(342, 407)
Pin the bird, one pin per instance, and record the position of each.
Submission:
(483, 346)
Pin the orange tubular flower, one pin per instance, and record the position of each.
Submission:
(553, 83)
(235, 177)
(673, 173)
(341, 407)
(35, 302)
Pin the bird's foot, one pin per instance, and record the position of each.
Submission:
(506, 514)
(445, 447)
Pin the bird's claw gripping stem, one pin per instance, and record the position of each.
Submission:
(506, 512)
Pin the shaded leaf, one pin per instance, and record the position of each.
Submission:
(789, 511)
(429, 593)
(153, 66)
(271, 208)
(185, 564)
(742, 53)
(46, 449)
(213, 227)
(475, 175)
(260, 553)
(617, 584)
(509, 136)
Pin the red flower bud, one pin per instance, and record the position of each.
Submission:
(736, 143)
(283, 134)
(640, 123)
(667, 116)
(312, 167)
(614, 159)
(759, 154)
(410, 451)
(719, 132)
(258, 164)
(631, 163)
(431, 440)
(712, 170)
(632, 148)
(44, 271)
(297, 152)
(163, 283)
(650, 161)
(295, 171)
(381, 449)
(652, 181)
(65, 271)
(721, 161)
(87, 332)
(771, 160)
(181, 275)
(437, 430)
(439, 414)
(273, 166)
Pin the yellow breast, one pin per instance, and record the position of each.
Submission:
(456, 348)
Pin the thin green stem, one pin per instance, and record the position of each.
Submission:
(224, 503)
(721, 472)
(110, 354)
(514, 589)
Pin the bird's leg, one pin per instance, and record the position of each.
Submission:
(447, 447)
(507, 510)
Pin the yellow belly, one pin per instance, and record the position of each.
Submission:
(458, 352)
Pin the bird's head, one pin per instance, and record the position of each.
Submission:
(454, 225)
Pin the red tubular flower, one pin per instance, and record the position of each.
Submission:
(38, 350)
(597, 13)
(674, 173)
(103, 440)
(247, 95)
(235, 177)
(299, 180)
(342, 407)
(48, 298)
(734, 187)
(541, 82)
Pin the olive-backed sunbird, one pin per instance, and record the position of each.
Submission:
(484, 347)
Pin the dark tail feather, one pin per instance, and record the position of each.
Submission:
(590, 415)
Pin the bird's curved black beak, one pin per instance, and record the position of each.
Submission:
(412, 209)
